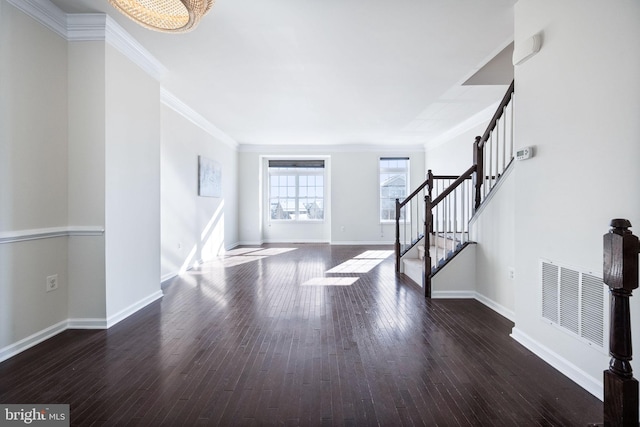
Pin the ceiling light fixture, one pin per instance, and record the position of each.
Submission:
(169, 16)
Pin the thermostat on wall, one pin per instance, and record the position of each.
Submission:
(524, 153)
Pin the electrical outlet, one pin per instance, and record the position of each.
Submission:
(52, 283)
(512, 273)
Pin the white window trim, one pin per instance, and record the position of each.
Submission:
(322, 172)
(408, 186)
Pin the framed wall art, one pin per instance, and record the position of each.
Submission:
(209, 178)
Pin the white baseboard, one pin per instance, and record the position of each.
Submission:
(123, 314)
(173, 274)
(498, 308)
(32, 340)
(297, 241)
(333, 242)
(250, 243)
(168, 276)
(580, 377)
(361, 243)
(231, 246)
(453, 295)
(88, 323)
(80, 323)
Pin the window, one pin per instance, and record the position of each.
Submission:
(296, 190)
(394, 184)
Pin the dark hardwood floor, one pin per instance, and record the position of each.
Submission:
(241, 342)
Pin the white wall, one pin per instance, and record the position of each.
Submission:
(86, 177)
(33, 163)
(493, 229)
(80, 151)
(132, 184)
(249, 201)
(355, 196)
(577, 102)
(454, 156)
(194, 228)
(457, 279)
(353, 204)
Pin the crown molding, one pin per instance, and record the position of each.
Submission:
(119, 38)
(171, 101)
(82, 27)
(79, 27)
(101, 27)
(45, 12)
(86, 27)
(335, 148)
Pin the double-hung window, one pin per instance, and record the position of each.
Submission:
(296, 190)
(394, 184)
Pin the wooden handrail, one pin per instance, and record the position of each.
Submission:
(499, 112)
(466, 175)
(447, 177)
(412, 195)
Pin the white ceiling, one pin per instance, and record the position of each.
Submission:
(331, 71)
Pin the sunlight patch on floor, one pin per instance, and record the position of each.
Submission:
(356, 266)
(362, 263)
(240, 251)
(240, 256)
(240, 259)
(374, 254)
(273, 251)
(330, 281)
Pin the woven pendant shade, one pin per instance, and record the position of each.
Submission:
(170, 16)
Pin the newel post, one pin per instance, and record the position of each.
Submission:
(430, 183)
(430, 194)
(397, 243)
(621, 275)
(426, 277)
(478, 161)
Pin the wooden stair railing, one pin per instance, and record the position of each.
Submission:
(446, 221)
(492, 156)
(409, 207)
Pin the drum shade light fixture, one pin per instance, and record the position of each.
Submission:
(169, 16)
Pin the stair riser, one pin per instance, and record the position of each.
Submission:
(448, 243)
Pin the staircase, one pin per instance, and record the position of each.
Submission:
(413, 267)
(443, 205)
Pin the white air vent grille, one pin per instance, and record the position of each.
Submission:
(574, 300)
(550, 292)
(569, 299)
(592, 315)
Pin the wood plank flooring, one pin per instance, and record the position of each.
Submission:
(239, 341)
